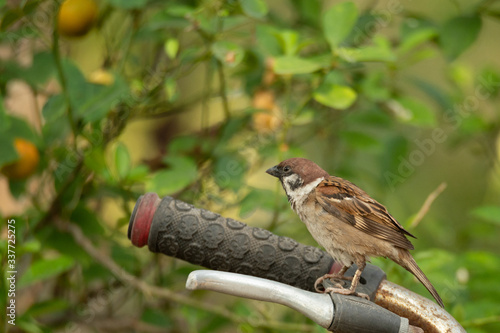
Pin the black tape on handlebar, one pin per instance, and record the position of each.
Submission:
(355, 314)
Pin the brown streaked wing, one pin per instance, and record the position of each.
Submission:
(359, 210)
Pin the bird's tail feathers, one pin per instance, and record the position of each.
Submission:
(407, 261)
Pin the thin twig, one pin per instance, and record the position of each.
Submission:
(427, 205)
(150, 290)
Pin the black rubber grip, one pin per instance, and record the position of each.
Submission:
(207, 239)
(354, 314)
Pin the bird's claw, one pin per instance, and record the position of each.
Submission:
(362, 295)
(344, 291)
(333, 277)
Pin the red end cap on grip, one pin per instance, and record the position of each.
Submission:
(141, 219)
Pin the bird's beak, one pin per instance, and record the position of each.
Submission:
(273, 171)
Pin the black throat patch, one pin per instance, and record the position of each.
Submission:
(294, 184)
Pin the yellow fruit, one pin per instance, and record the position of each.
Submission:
(27, 163)
(101, 76)
(76, 17)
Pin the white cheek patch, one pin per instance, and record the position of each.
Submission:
(300, 193)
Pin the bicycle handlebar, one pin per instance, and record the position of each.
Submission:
(201, 237)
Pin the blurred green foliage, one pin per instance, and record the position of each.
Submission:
(379, 94)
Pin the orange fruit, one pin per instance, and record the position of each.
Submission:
(264, 100)
(76, 17)
(284, 147)
(264, 122)
(27, 162)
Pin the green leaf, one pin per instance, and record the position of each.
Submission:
(295, 65)
(59, 241)
(309, 11)
(8, 152)
(437, 94)
(374, 86)
(305, 117)
(87, 220)
(172, 47)
(171, 89)
(182, 172)
(461, 75)
(488, 79)
(100, 99)
(233, 126)
(138, 174)
(254, 8)
(9, 17)
(366, 54)
(47, 307)
(416, 38)
(54, 108)
(28, 325)
(17, 187)
(421, 55)
(335, 77)
(338, 22)
(289, 41)
(4, 117)
(458, 33)
(43, 269)
(488, 213)
(267, 40)
(95, 160)
(178, 10)
(183, 144)
(335, 96)
(123, 163)
(41, 70)
(124, 257)
(363, 30)
(228, 53)
(372, 117)
(31, 246)
(412, 24)
(413, 111)
(90, 102)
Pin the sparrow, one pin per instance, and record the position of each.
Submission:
(349, 224)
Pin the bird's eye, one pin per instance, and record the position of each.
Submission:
(286, 168)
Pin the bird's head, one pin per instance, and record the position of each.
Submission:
(297, 173)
